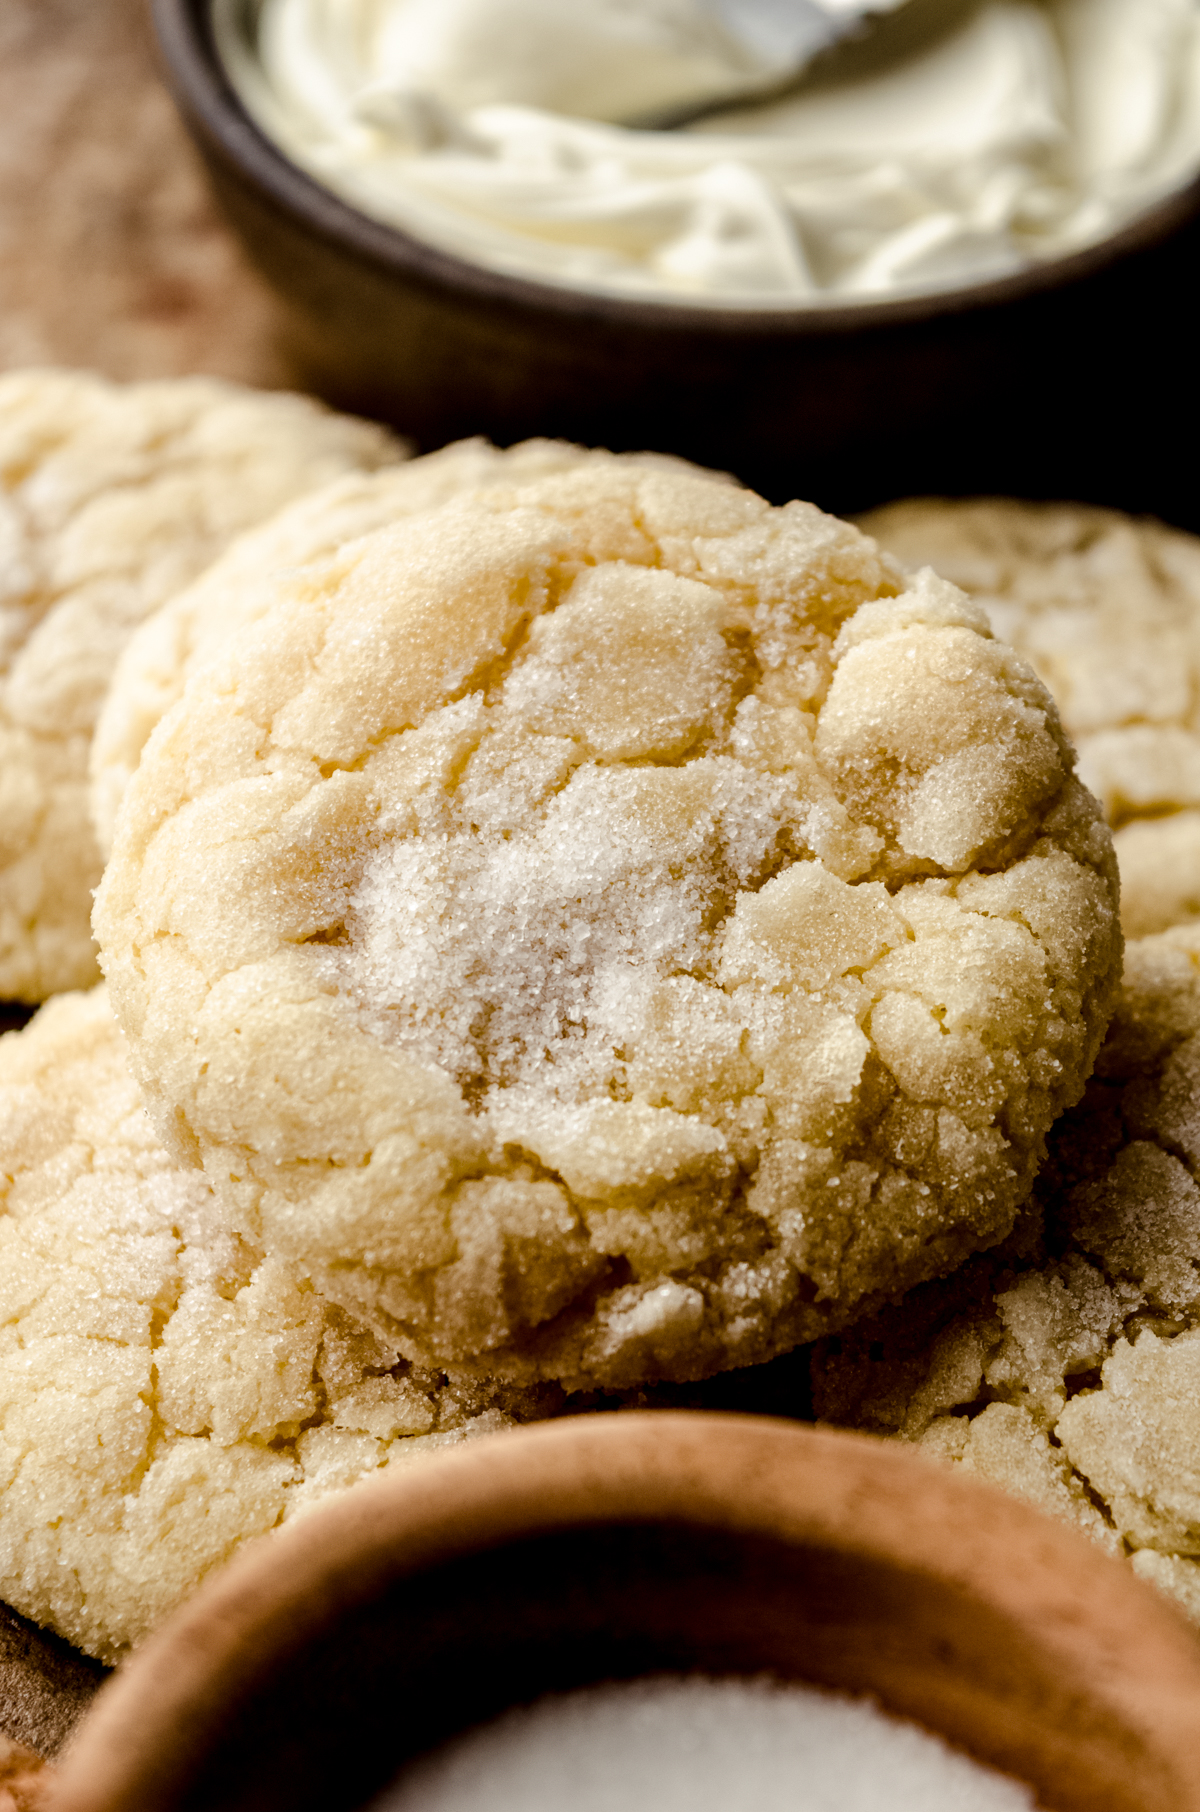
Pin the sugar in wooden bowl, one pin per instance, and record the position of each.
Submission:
(363, 1636)
(690, 1743)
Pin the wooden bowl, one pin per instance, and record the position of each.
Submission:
(606, 1547)
(1060, 380)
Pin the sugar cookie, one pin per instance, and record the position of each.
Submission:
(112, 498)
(165, 1393)
(600, 931)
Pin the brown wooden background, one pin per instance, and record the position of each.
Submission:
(111, 254)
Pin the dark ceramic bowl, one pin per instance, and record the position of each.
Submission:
(605, 1547)
(1071, 378)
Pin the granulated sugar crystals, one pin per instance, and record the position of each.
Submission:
(693, 1744)
(599, 930)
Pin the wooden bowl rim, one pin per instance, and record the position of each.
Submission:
(745, 1475)
(208, 100)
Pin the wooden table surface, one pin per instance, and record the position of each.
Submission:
(111, 257)
(111, 254)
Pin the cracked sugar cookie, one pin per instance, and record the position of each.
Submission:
(175, 641)
(602, 931)
(165, 1392)
(112, 497)
(1066, 1367)
(1107, 609)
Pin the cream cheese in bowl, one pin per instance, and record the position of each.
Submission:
(978, 139)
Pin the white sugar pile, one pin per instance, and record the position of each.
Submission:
(688, 1744)
(515, 936)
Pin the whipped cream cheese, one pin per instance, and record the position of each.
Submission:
(944, 153)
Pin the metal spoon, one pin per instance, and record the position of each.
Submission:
(779, 39)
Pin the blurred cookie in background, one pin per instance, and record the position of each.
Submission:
(111, 499)
(1106, 607)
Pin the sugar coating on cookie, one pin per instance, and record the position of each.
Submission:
(112, 497)
(1066, 1367)
(603, 931)
(196, 623)
(165, 1392)
(1106, 608)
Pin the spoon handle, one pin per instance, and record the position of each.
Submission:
(784, 35)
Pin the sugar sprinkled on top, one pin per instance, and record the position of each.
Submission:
(514, 947)
(687, 1744)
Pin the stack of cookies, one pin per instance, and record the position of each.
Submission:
(567, 926)
(1064, 1364)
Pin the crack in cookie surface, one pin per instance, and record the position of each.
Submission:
(1106, 607)
(1065, 1366)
